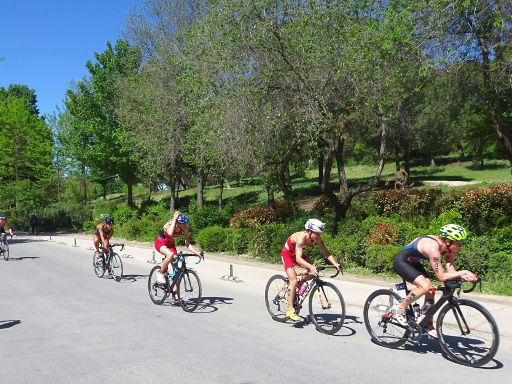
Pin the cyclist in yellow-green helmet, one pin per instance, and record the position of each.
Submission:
(434, 249)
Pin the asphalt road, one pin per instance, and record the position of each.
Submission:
(59, 323)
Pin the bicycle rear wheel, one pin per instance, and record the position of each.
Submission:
(326, 308)
(384, 330)
(189, 290)
(276, 297)
(6, 251)
(98, 265)
(157, 292)
(468, 333)
(117, 267)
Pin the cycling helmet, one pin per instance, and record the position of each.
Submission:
(182, 218)
(2, 217)
(453, 232)
(109, 220)
(315, 225)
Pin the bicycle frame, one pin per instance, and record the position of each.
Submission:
(448, 296)
(179, 270)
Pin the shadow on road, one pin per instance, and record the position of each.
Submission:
(133, 278)
(428, 345)
(22, 258)
(4, 324)
(209, 304)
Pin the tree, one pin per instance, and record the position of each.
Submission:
(479, 31)
(94, 132)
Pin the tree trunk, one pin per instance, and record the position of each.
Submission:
(200, 189)
(129, 184)
(324, 187)
(320, 165)
(270, 196)
(221, 191)
(460, 151)
(172, 186)
(382, 149)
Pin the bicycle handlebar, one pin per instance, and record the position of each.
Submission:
(473, 286)
(322, 267)
(201, 258)
(454, 284)
(117, 245)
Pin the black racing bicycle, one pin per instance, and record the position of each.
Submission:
(467, 332)
(183, 283)
(110, 262)
(326, 304)
(4, 246)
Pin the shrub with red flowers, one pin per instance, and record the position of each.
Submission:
(256, 217)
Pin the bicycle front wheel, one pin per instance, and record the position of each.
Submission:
(326, 308)
(157, 292)
(97, 264)
(6, 251)
(384, 330)
(117, 267)
(189, 291)
(276, 297)
(468, 333)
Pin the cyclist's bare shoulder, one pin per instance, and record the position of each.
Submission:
(298, 237)
(429, 246)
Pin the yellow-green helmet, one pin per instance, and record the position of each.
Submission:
(453, 232)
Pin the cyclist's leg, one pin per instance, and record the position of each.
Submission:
(96, 242)
(415, 274)
(169, 253)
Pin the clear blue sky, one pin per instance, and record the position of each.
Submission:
(46, 43)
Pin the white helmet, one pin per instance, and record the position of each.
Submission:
(315, 225)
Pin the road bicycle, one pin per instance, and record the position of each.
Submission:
(110, 262)
(183, 283)
(4, 246)
(326, 304)
(467, 332)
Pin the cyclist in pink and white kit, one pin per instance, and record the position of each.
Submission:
(293, 253)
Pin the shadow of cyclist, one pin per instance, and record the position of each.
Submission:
(4, 324)
(133, 278)
(430, 345)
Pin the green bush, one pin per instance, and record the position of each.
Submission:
(123, 214)
(237, 240)
(143, 229)
(267, 241)
(409, 203)
(212, 239)
(475, 254)
(208, 216)
(447, 217)
(500, 263)
(380, 258)
(484, 208)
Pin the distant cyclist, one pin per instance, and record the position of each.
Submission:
(293, 253)
(164, 242)
(104, 232)
(431, 248)
(3, 224)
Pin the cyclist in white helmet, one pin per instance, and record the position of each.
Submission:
(293, 253)
(407, 264)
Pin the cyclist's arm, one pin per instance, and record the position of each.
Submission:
(330, 258)
(441, 274)
(103, 238)
(188, 244)
(170, 227)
